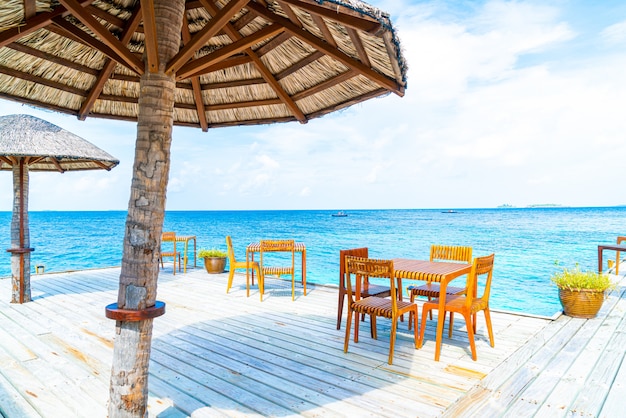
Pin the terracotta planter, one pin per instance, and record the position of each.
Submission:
(214, 265)
(583, 303)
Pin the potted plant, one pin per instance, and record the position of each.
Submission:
(582, 293)
(214, 260)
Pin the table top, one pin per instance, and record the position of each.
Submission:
(185, 237)
(431, 271)
(256, 247)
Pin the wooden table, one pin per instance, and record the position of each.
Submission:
(613, 247)
(255, 247)
(431, 271)
(186, 239)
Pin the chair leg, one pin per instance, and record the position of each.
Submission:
(356, 327)
(451, 324)
(431, 312)
(261, 280)
(470, 334)
(412, 299)
(489, 329)
(422, 327)
(373, 326)
(392, 338)
(415, 329)
(231, 275)
(293, 287)
(347, 338)
(342, 297)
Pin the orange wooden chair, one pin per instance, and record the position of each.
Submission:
(170, 237)
(363, 269)
(441, 253)
(233, 265)
(367, 290)
(467, 305)
(285, 245)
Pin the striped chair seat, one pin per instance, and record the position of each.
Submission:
(277, 270)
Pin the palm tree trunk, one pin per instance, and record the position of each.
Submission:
(144, 223)
(20, 237)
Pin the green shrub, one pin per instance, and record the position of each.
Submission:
(575, 279)
(212, 252)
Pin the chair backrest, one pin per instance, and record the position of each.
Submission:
(480, 267)
(355, 252)
(169, 237)
(362, 268)
(230, 250)
(450, 253)
(279, 245)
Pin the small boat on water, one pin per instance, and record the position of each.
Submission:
(449, 211)
(340, 214)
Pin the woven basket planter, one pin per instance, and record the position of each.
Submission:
(214, 265)
(583, 303)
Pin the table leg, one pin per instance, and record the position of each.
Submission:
(185, 256)
(441, 319)
(304, 270)
(600, 248)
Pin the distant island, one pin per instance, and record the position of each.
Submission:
(536, 205)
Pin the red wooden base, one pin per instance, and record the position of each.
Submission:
(113, 312)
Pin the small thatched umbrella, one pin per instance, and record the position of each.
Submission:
(29, 144)
(200, 63)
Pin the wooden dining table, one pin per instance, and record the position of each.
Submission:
(430, 271)
(300, 247)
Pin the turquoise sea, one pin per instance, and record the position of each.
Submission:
(527, 241)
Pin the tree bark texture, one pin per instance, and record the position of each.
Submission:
(144, 222)
(20, 193)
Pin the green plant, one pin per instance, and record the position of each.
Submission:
(212, 252)
(575, 279)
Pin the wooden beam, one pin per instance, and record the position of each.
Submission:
(150, 37)
(267, 75)
(323, 27)
(79, 35)
(52, 58)
(40, 80)
(358, 23)
(322, 46)
(105, 36)
(358, 45)
(195, 83)
(107, 17)
(37, 22)
(274, 43)
(109, 66)
(236, 83)
(300, 64)
(199, 39)
(331, 82)
(196, 66)
(30, 9)
(291, 15)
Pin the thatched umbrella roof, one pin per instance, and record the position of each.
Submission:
(28, 144)
(241, 62)
(49, 147)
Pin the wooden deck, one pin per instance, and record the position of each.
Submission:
(215, 354)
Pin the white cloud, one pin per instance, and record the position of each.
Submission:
(615, 34)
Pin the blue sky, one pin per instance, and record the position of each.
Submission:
(507, 103)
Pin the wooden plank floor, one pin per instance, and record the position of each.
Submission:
(215, 354)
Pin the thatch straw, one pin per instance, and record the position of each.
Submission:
(28, 136)
(64, 87)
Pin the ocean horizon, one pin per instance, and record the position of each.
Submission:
(530, 243)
